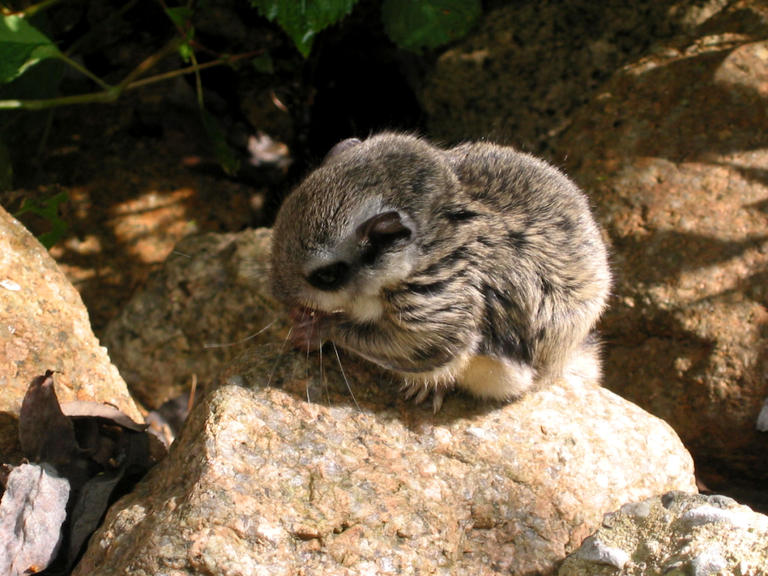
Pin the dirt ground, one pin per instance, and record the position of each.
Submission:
(134, 190)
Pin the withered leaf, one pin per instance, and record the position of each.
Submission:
(95, 441)
(45, 433)
(82, 409)
(98, 449)
(131, 459)
(89, 508)
(32, 511)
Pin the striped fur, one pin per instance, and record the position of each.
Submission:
(489, 272)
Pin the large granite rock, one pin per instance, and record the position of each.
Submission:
(44, 326)
(673, 150)
(660, 111)
(297, 466)
(531, 64)
(203, 309)
(675, 534)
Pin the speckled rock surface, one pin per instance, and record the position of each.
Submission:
(302, 468)
(201, 310)
(675, 534)
(673, 151)
(44, 326)
(520, 76)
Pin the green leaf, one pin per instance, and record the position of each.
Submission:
(225, 156)
(21, 46)
(302, 20)
(180, 15)
(48, 210)
(263, 64)
(185, 51)
(416, 25)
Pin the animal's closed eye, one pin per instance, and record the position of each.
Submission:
(330, 277)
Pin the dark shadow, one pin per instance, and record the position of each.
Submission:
(674, 252)
(747, 484)
(10, 448)
(761, 206)
(361, 85)
(751, 174)
(672, 119)
(650, 346)
(321, 378)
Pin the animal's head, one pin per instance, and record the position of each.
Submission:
(353, 226)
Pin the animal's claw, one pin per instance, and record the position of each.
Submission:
(418, 392)
(437, 399)
(422, 395)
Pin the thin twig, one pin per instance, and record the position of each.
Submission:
(190, 69)
(42, 104)
(198, 81)
(149, 62)
(31, 10)
(114, 92)
(84, 71)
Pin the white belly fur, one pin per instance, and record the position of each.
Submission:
(481, 376)
(495, 378)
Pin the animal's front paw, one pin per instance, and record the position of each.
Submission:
(420, 391)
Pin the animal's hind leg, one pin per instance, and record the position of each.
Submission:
(497, 378)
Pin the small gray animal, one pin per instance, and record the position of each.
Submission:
(477, 266)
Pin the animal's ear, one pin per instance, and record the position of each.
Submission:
(339, 148)
(383, 230)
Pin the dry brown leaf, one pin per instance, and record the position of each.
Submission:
(100, 453)
(45, 433)
(83, 409)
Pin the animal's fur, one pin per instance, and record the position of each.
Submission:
(478, 266)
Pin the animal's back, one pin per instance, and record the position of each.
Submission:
(546, 269)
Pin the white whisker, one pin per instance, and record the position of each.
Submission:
(323, 383)
(236, 342)
(279, 357)
(309, 400)
(338, 359)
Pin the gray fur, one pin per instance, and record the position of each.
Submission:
(482, 253)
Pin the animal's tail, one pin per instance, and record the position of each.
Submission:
(585, 362)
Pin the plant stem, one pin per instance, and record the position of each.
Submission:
(149, 62)
(198, 81)
(174, 74)
(83, 70)
(106, 96)
(32, 10)
(112, 93)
